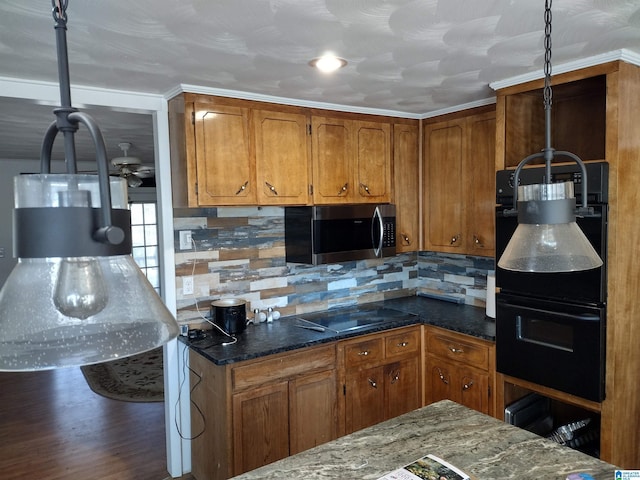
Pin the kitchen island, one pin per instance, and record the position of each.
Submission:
(481, 446)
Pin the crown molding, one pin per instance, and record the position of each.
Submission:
(623, 54)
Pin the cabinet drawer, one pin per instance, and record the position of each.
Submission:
(458, 347)
(404, 343)
(366, 351)
(283, 366)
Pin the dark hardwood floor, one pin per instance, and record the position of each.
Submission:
(53, 426)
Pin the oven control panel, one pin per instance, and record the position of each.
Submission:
(597, 180)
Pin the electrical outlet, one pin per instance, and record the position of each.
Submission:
(187, 285)
(185, 240)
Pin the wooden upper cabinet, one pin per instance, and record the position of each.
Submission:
(225, 172)
(479, 178)
(444, 152)
(459, 179)
(406, 186)
(351, 161)
(283, 157)
(332, 160)
(228, 151)
(372, 176)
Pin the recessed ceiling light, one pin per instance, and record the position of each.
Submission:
(328, 63)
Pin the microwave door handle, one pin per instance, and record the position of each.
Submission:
(377, 216)
(584, 317)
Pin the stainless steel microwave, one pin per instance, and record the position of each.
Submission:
(339, 233)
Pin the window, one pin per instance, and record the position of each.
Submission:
(144, 237)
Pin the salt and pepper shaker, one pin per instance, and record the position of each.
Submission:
(269, 317)
(258, 316)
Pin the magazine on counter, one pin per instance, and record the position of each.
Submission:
(429, 467)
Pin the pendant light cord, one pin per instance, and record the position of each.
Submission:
(547, 93)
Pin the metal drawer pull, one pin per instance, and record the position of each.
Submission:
(467, 385)
(477, 242)
(271, 187)
(403, 344)
(243, 188)
(456, 350)
(344, 188)
(455, 239)
(372, 383)
(395, 376)
(405, 239)
(365, 188)
(444, 379)
(364, 353)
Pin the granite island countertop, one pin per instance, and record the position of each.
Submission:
(481, 446)
(283, 335)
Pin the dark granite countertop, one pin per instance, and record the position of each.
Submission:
(283, 335)
(483, 447)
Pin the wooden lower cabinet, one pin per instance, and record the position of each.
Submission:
(460, 383)
(252, 413)
(460, 368)
(247, 414)
(381, 376)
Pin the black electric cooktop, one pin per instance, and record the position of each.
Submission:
(352, 320)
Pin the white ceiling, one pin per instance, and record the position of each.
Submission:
(406, 57)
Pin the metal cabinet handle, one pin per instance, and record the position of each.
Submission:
(395, 376)
(456, 350)
(271, 187)
(467, 385)
(364, 353)
(344, 189)
(405, 239)
(455, 239)
(476, 241)
(403, 344)
(444, 379)
(243, 187)
(372, 383)
(365, 188)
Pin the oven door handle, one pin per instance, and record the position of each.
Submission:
(584, 317)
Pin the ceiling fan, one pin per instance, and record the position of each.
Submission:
(131, 168)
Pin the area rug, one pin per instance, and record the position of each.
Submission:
(138, 378)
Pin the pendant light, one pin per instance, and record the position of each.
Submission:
(548, 239)
(76, 295)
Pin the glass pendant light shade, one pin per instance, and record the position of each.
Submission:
(71, 300)
(548, 239)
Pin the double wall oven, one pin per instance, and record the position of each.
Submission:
(550, 327)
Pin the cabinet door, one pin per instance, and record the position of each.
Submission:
(332, 148)
(473, 389)
(402, 384)
(372, 175)
(439, 381)
(260, 426)
(364, 398)
(224, 164)
(444, 156)
(406, 187)
(282, 158)
(480, 178)
(313, 414)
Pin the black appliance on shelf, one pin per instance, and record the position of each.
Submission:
(550, 327)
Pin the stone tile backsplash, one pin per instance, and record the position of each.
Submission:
(240, 252)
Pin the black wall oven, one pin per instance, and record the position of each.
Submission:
(551, 327)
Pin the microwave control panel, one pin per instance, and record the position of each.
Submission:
(388, 233)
